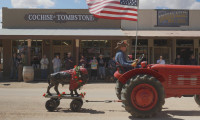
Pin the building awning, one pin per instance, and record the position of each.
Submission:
(179, 34)
(62, 34)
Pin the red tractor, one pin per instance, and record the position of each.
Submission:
(143, 90)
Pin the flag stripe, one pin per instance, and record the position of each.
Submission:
(113, 9)
(118, 13)
(118, 18)
(111, 6)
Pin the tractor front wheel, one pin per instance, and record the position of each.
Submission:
(197, 99)
(143, 96)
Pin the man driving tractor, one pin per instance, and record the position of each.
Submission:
(122, 64)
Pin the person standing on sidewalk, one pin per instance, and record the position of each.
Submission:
(192, 61)
(56, 64)
(161, 61)
(13, 63)
(19, 67)
(102, 65)
(83, 62)
(94, 64)
(178, 60)
(44, 66)
(69, 62)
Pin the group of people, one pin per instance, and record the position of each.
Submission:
(98, 66)
(180, 61)
(17, 62)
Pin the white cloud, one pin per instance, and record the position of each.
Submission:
(171, 4)
(32, 3)
(77, 1)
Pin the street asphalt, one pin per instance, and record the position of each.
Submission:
(24, 101)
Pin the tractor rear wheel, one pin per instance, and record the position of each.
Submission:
(197, 99)
(118, 89)
(143, 96)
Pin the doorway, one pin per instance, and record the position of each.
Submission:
(162, 47)
(185, 54)
(185, 48)
(62, 48)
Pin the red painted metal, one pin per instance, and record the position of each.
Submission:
(126, 76)
(177, 80)
(144, 97)
(144, 64)
(117, 74)
(73, 82)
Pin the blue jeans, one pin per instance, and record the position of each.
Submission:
(102, 71)
(44, 73)
(56, 70)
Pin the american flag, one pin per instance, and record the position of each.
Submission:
(114, 9)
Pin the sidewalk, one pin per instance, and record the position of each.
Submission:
(45, 85)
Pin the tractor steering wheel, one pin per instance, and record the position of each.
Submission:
(140, 58)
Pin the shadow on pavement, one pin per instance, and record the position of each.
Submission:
(183, 113)
(168, 115)
(83, 110)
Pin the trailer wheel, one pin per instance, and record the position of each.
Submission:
(80, 101)
(57, 101)
(143, 96)
(118, 89)
(51, 105)
(75, 105)
(197, 99)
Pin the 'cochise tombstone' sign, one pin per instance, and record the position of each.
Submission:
(59, 17)
(173, 18)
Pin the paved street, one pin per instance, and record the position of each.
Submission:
(24, 101)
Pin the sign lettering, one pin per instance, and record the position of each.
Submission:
(173, 18)
(59, 17)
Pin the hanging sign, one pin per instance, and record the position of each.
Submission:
(172, 18)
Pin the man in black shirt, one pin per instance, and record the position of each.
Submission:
(101, 67)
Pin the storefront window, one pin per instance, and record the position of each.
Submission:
(185, 48)
(61, 48)
(21, 47)
(90, 48)
(142, 48)
(36, 53)
(162, 47)
(187, 43)
(160, 43)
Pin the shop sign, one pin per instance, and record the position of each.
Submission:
(59, 17)
(172, 18)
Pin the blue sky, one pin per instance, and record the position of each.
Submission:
(81, 4)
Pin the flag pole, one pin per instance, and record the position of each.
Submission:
(137, 25)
